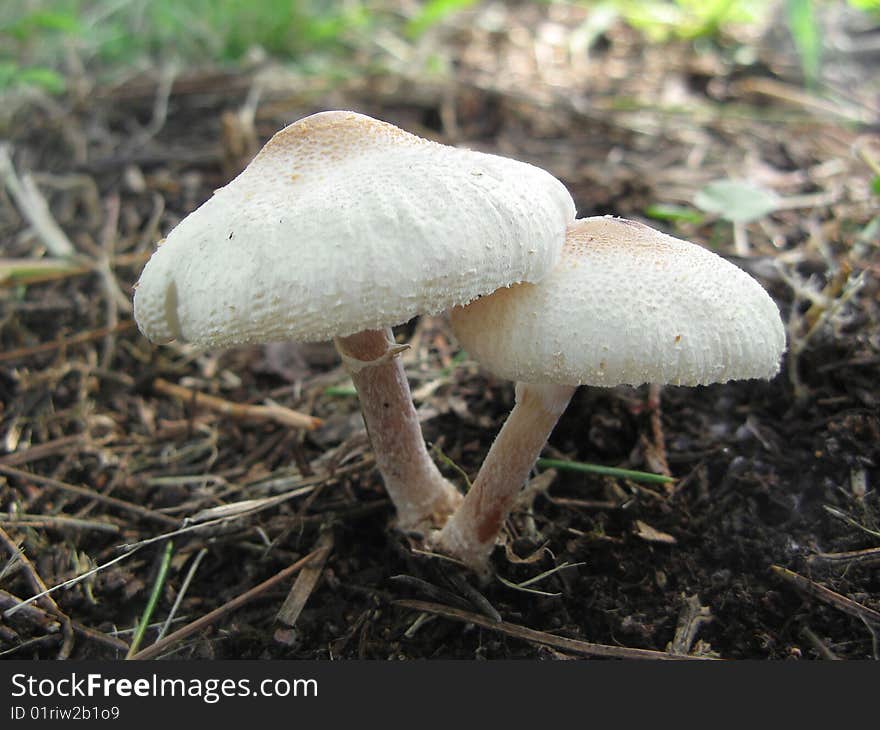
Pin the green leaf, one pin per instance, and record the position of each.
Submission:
(8, 73)
(805, 32)
(737, 201)
(875, 185)
(50, 20)
(45, 78)
(661, 20)
(11, 75)
(432, 12)
(37, 23)
(869, 6)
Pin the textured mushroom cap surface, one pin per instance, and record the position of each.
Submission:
(627, 305)
(343, 223)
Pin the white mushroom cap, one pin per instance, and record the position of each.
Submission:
(344, 223)
(627, 305)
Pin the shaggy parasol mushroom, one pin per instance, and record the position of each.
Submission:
(341, 227)
(625, 305)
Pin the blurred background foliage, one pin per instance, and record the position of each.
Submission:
(41, 39)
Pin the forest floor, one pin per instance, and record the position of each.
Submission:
(766, 545)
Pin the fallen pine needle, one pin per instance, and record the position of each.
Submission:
(190, 574)
(57, 522)
(869, 556)
(82, 337)
(40, 451)
(834, 512)
(88, 493)
(227, 515)
(540, 637)
(842, 603)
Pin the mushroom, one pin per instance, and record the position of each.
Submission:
(625, 305)
(341, 227)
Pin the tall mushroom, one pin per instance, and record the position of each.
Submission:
(625, 305)
(341, 227)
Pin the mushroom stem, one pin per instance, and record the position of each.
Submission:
(422, 496)
(471, 533)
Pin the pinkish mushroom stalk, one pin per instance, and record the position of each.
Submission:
(471, 533)
(625, 305)
(422, 496)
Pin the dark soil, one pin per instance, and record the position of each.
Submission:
(767, 474)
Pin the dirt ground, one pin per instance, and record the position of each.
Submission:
(767, 544)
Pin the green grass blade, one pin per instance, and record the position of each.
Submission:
(609, 471)
(340, 391)
(151, 603)
(674, 213)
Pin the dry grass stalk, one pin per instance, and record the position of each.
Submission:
(306, 581)
(33, 207)
(279, 414)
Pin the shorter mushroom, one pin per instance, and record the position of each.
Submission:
(625, 305)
